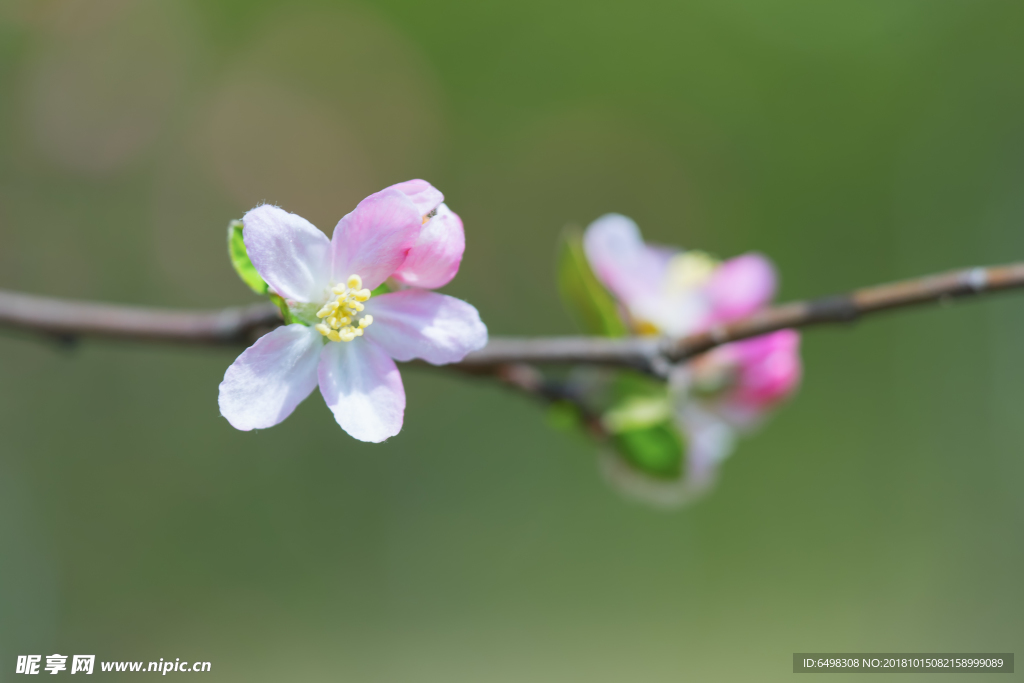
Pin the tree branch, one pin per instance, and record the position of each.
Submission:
(236, 326)
(66, 318)
(846, 308)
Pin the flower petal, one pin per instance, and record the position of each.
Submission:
(768, 368)
(435, 258)
(741, 286)
(363, 389)
(414, 323)
(425, 196)
(271, 377)
(373, 240)
(710, 440)
(633, 271)
(288, 252)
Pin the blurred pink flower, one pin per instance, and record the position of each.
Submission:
(664, 290)
(348, 341)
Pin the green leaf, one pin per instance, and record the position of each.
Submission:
(642, 427)
(588, 302)
(240, 260)
(656, 449)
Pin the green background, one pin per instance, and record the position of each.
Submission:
(854, 142)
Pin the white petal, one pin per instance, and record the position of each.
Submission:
(271, 377)
(632, 270)
(363, 389)
(288, 252)
(710, 440)
(414, 323)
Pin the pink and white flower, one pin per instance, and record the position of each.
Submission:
(348, 339)
(664, 290)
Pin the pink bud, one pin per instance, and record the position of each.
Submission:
(767, 368)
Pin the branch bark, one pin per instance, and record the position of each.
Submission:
(237, 326)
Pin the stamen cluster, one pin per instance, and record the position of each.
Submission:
(339, 315)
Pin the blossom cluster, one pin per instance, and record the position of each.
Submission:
(668, 291)
(361, 300)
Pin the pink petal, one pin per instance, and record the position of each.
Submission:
(633, 271)
(363, 389)
(271, 377)
(414, 323)
(425, 196)
(289, 253)
(373, 241)
(435, 259)
(741, 286)
(769, 368)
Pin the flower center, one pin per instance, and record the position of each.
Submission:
(339, 314)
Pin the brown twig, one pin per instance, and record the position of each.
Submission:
(846, 308)
(71, 319)
(237, 326)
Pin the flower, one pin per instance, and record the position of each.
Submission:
(348, 338)
(664, 290)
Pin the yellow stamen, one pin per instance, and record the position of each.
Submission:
(339, 313)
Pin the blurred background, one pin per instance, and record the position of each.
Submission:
(853, 142)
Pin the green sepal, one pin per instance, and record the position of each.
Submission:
(586, 299)
(381, 289)
(241, 263)
(286, 313)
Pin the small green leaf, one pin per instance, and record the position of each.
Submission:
(240, 260)
(642, 427)
(588, 302)
(382, 288)
(656, 449)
